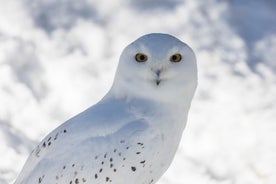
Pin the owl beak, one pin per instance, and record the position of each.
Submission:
(158, 80)
(158, 72)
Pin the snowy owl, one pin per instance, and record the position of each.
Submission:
(132, 134)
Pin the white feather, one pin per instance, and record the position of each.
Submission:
(132, 134)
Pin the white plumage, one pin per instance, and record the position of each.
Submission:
(132, 134)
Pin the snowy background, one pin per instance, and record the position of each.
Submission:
(58, 57)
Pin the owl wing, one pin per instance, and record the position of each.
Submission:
(65, 143)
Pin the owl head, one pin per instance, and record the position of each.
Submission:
(156, 66)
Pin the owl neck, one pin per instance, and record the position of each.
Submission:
(179, 104)
(177, 99)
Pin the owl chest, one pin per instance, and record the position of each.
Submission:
(137, 160)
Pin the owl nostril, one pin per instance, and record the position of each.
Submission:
(158, 72)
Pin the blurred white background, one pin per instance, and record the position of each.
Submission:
(58, 57)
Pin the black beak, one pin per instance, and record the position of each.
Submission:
(158, 73)
(158, 82)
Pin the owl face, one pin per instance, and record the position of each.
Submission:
(158, 65)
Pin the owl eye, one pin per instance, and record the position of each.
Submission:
(140, 57)
(175, 58)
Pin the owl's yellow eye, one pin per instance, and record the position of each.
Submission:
(175, 58)
(140, 57)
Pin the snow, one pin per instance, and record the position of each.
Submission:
(59, 57)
